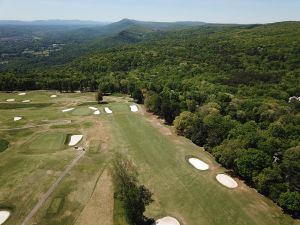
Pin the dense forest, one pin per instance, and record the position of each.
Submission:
(226, 88)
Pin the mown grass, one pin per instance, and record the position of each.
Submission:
(179, 190)
(88, 104)
(23, 105)
(190, 195)
(47, 142)
(119, 213)
(82, 111)
(56, 206)
(24, 178)
(3, 145)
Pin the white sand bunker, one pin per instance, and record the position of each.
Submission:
(227, 181)
(68, 110)
(22, 94)
(17, 118)
(53, 96)
(134, 108)
(167, 221)
(4, 215)
(26, 101)
(75, 139)
(107, 110)
(93, 108)
(198, 164)
(97, 112)
(11, 100)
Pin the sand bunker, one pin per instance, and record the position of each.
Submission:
(227, 181)
(107, 110)
(68, 110)
(53, 96)
(26, 101)
(17, 118)
(134, 108)
(75, 139)
(97, 112)
(93, 108)
(11, 100)
(4, 215)
(22, 94)
(167, 221)
(198, 164)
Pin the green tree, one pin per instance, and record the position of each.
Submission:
(250, 162)
(291, 167)
(227, 152)
(218, 128)
(138, 95)
(290, 202)
(184, 124)
(153, 103)
(267, 177)
(199, 131)
(99, 97)
(134, 196)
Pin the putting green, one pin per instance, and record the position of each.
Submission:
(82, 111)
(48, 142)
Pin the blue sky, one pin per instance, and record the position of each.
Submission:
(222, 11)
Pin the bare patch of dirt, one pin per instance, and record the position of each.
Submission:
(159, 124)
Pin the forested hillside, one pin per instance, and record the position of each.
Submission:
(226, 87)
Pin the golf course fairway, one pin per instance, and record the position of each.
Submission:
(38, 155)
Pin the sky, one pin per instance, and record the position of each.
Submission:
(220, 11)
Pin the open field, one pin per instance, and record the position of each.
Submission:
(38, 153)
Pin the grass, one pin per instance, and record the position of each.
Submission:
(82, 111)
(119, 213)
(23, 105)
(95, 146)
(26, 177)
(94, 103)
(3, 145)
(56, 206)
(193, 197)
(47, 142)
(179, 190)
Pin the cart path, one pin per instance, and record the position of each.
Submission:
(51, 190)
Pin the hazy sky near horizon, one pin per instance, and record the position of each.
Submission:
(222, 11)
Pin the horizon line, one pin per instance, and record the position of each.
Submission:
(155, 21)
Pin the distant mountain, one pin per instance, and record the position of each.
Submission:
(132, 25)
(52, 23)
(163, 25)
